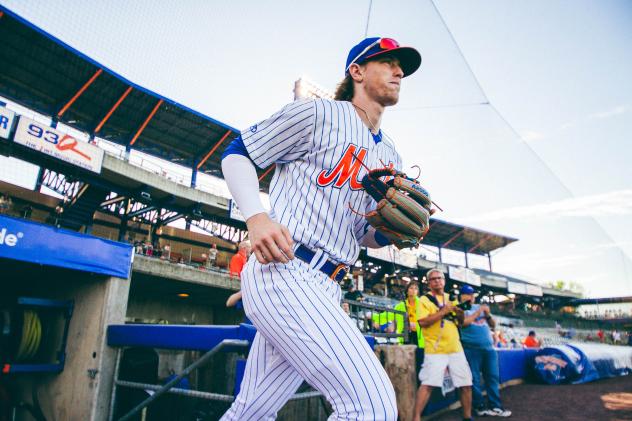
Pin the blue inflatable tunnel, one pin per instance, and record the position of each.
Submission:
(580, 363)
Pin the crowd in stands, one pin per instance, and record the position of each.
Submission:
(608, 314)
(211, 260)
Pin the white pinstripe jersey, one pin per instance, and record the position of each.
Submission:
(317, 177)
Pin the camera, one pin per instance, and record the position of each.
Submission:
(465, 305)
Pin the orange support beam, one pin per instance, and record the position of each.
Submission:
(147, 120)
(454, 237)
(480, 243)
(79, 92)
(213, 149)
(267, 172)
(116, 105)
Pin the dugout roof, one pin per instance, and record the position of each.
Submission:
(50, 77)
(452, 236)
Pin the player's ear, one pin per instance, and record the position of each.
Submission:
(356, 72)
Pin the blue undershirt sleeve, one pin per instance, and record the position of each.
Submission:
(236, 147)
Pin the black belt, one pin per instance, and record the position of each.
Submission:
(335, 271)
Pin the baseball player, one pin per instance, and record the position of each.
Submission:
(303, 247)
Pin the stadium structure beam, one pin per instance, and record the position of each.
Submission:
(172, 219)
(112, 201)
(141, 211)
(267, 172)
(480, 243)
(79, 93)
(454, 237)
(146, 122)
(114, 107)
(213, 149)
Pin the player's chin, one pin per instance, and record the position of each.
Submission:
(389, 100)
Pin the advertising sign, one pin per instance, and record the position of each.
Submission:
(234, 212)
(393, 255)
(6, 122)
(517, 287)
(60, 145)
(459, 273)
(46, 245)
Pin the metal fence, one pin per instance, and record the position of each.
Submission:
(379, 321)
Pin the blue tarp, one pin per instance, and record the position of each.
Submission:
(33, 242)
(580, 363)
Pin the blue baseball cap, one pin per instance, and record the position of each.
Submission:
(409, 58)
(466, 289)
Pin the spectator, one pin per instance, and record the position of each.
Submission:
(166, 252)
(439, 319)
(630, 338)
(476, 339)
(58, 211)
(5, 203)
(410, 305)
(212, 256)
(238, 261)
(347, 309)
(26, 211)
(601, 336)
(233, 299)
(148, 249)
(616, 337)
(531, 341)
(353, 294)
(499, 339)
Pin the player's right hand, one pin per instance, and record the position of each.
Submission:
(270, 241)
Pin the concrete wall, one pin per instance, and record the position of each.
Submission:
(82, 390)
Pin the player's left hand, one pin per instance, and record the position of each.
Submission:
(403, 207)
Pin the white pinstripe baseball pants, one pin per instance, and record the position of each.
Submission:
(302, 333)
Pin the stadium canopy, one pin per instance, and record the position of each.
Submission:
(42, 73)
(452, 236)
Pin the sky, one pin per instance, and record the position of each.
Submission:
(519, 118)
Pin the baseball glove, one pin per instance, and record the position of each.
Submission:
(403, 207)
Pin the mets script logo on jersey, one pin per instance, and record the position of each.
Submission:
(346, 170)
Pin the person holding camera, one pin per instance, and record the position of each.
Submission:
(476, 337)
(439, 318)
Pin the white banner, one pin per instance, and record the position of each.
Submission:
(6, 122)
(459, 273)
(392, 254)
(234, 212)
(472, 278)
(516, 287)
(62, 146)
(534, 290)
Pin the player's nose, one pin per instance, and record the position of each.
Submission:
(397, 70)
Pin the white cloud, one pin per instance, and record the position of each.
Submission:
(610, 113)
(567, 126)
(612, 203)
(531, 135)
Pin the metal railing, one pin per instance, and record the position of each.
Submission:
(379, 321)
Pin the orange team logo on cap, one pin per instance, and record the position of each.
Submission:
(345, 171)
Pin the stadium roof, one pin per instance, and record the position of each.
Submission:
(458, 237)
(50, 77)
